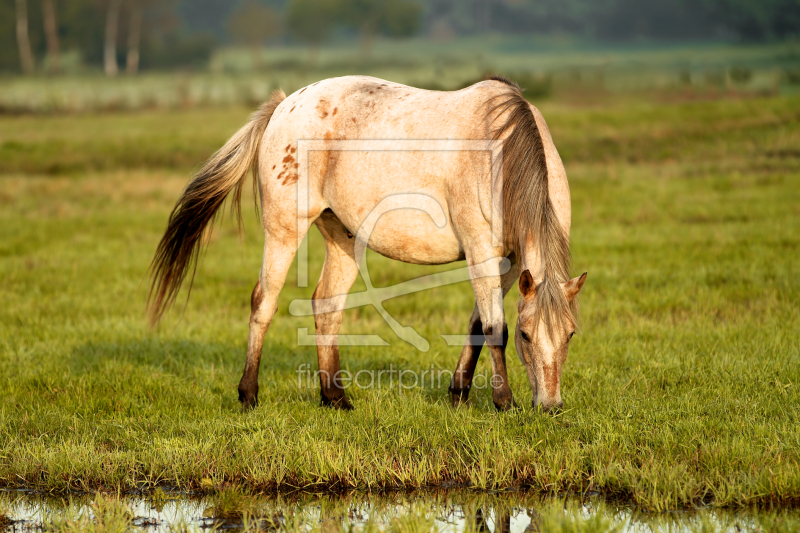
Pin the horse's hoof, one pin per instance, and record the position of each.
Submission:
(248, 400)
(341, 403)
(459, 397)
(459, 400)
(249, 404)
(506, 406)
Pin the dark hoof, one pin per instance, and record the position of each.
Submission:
(506, 406)
(550, 409)
(341, 403)
(248, 399)
(459, 397)
(459, 401)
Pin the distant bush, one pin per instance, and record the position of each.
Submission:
(533, 85)
(178, 52)
(740, 74)
(715, 78)
(792, 76)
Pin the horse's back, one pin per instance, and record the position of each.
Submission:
(353, 182)
(370, 108)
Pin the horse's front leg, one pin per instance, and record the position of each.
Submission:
(339, 272)
(461, 383)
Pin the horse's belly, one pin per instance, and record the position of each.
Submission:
(408, 235)
(403, 236)
(395, 201)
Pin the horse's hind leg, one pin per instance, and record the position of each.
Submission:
(338, 274)
(278, 255)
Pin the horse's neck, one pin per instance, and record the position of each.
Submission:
(531, 260)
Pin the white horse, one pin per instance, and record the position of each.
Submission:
(339, 189)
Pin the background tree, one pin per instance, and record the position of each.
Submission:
(51, 35)
(251, 24)
(395, 18)
(485, 10)
(136, 8)
(210, 16)
(81, 28)
(756, 20)
(110, 47)
(23, 41)
(311, 21)
(167, 43)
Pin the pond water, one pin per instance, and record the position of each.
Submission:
(406, 512)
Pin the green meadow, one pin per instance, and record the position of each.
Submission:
(681, 389)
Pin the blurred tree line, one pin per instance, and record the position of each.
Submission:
(134, 34)
(113, 34)
(621, 20)
(590, 20)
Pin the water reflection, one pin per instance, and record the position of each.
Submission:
(440, 511)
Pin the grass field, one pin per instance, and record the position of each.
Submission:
(682, 387)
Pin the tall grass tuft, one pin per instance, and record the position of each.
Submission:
(105, 514)
(571, 517)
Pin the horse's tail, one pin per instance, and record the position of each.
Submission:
(225, 171)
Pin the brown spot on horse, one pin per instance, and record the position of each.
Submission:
(290, 179)
(256, 297)
(322, 108)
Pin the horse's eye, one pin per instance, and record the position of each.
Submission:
(525, 337)
(571, 334)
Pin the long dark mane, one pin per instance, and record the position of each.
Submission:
(527, 209)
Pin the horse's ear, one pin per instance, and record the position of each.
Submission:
(574, 286)
(526, 285)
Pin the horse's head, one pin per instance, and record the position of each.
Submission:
(545, 326)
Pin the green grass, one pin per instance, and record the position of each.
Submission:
(681, 388)
(103, 515)
(113, 141)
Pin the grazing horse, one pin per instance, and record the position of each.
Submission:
(340, 188)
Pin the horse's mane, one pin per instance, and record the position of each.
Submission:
(527, 209)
